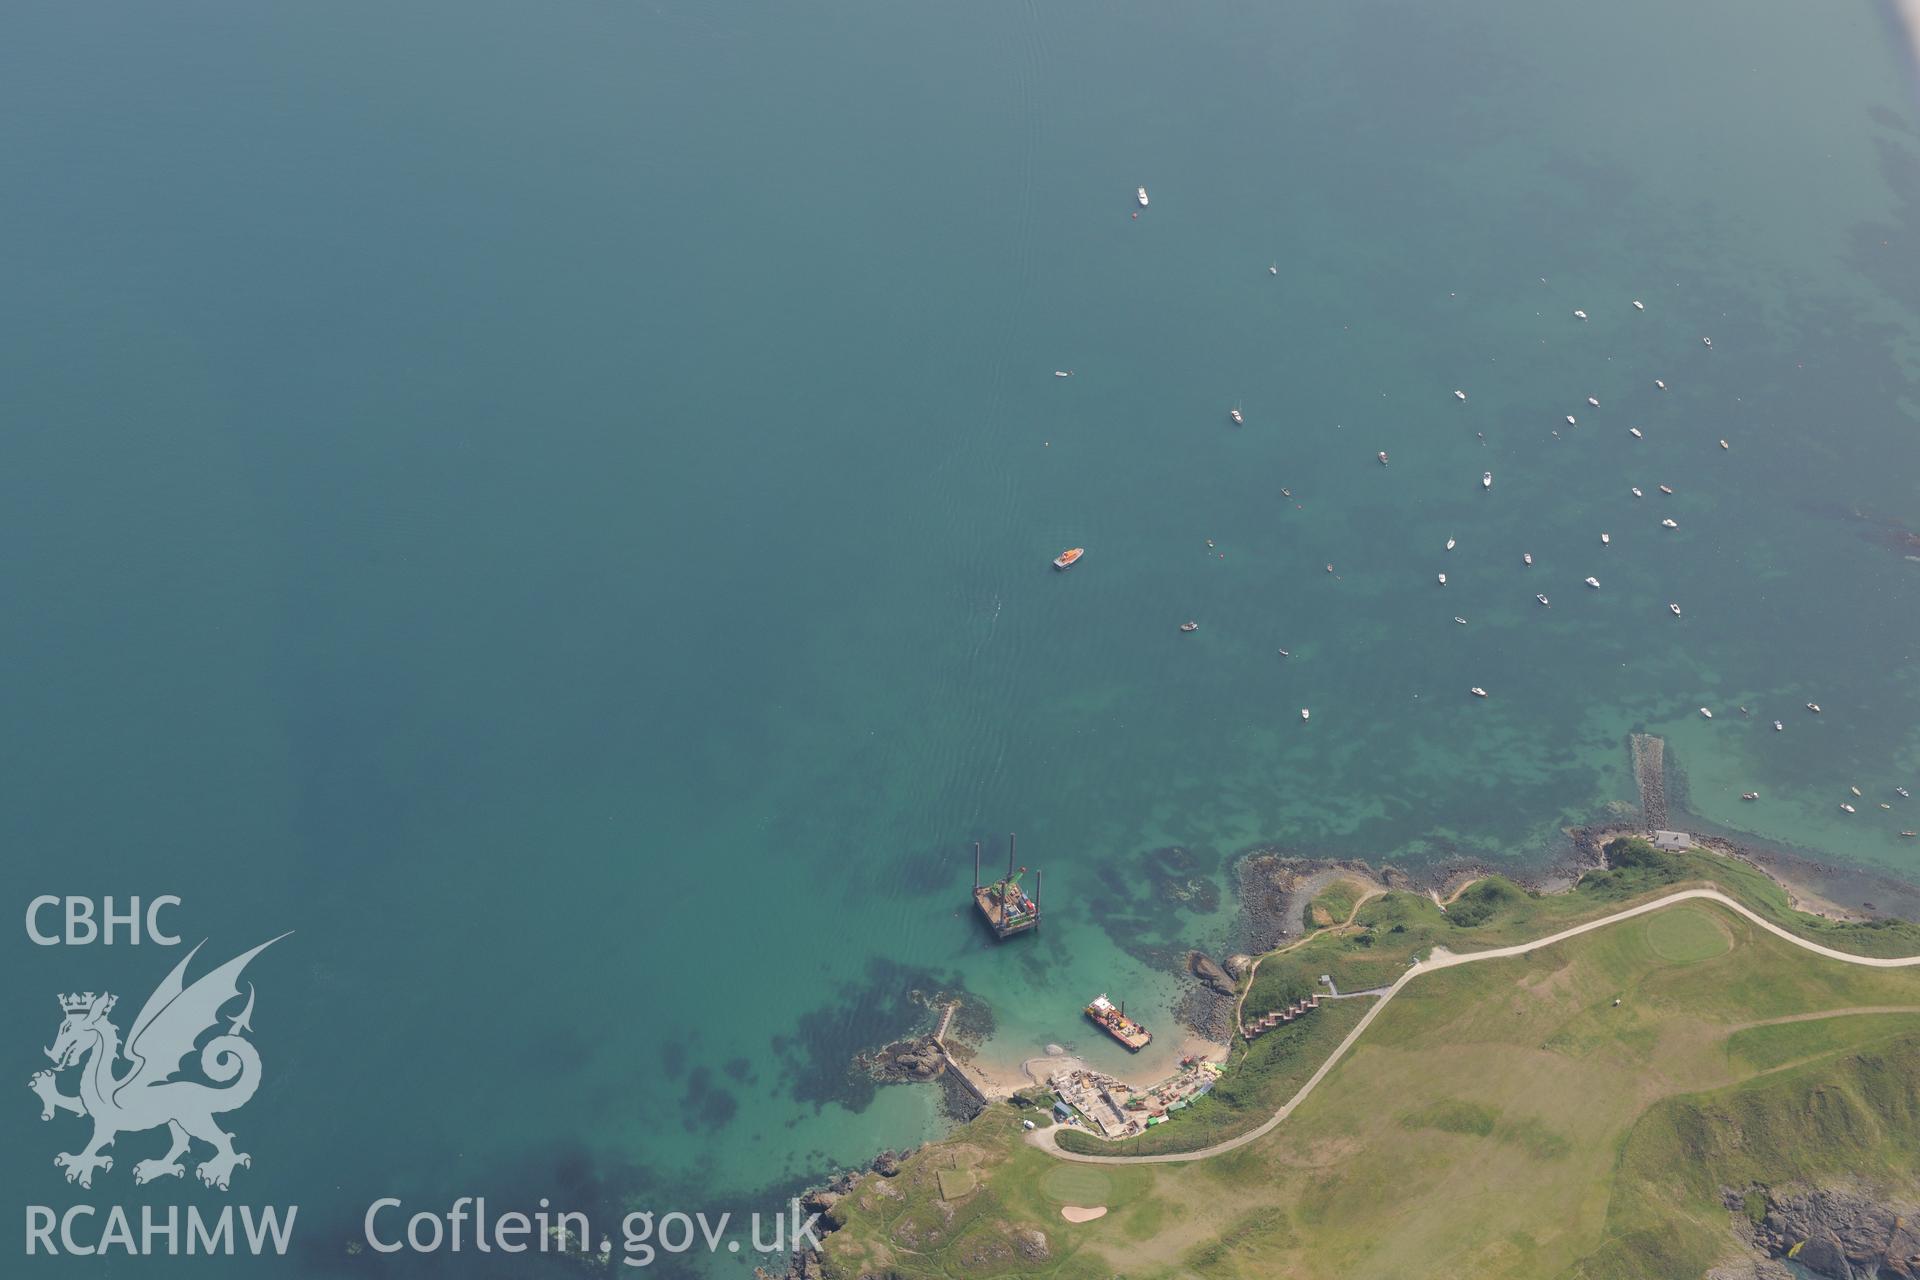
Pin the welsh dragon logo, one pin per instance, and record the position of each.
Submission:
(146, 1095)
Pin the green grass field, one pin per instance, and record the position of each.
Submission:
(1505, 1119)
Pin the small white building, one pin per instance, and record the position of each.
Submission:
(1672, 841)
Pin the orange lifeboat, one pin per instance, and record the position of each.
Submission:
(1068, 558)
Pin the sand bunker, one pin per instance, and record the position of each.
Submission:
(1074, 1213)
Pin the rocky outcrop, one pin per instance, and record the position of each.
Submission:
(886, 1164)
(1842, 1232)
(907, 1060)
(1203, 967)
(1032, 1245)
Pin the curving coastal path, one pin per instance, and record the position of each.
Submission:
(1441, 959)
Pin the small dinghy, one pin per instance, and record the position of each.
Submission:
(1667, 489)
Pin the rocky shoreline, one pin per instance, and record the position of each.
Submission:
(1847, 1233)
(1274, 888)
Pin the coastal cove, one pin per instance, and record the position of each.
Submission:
(1649, 940)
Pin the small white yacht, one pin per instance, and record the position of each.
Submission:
(1847, 808)
(1459, 395)
(1856, 791)
(1667, 489)
(1239, 419)
(1063, 373)
(1706, 714)
(1814, 707)
(1450, 544)
(1571, 422)
(1477, 692)
(1274, 270)
(1675, 608)
(1708, 341)
(1382, 455)
(1579, 314)
(1903, 793)
(1457, 618)
(1593, 402)
(1606, 539)
(1635, 433)
(1486, 479)
(1305, 714)
(1669, 523)
(1639, 305)
(1637, 493)
(1443, 579)
(1526, 557)
(1143, 197)
(1659, 384)
(1594, 583)
(1778, 727)
(1542, 600)
(1725, 445)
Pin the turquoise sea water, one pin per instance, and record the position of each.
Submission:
(553, 505)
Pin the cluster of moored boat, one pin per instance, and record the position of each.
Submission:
(1237, 416)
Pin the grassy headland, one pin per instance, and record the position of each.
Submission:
(1571, 1112)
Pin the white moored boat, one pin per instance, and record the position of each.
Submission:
(1675, 608)
(1639, 305)
(1542, 600)
(1606, 539)
(1594, 583)
(1706, 713)
(1449, 544)
(1486, 479)
(1477, 692)
(1459, 395)
(1659, 384)
(1526, 557)
(1637, 493)
(1669, 524)
(1443, 579)
(1305, 714)
(1143, 197)
(1579, 315)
